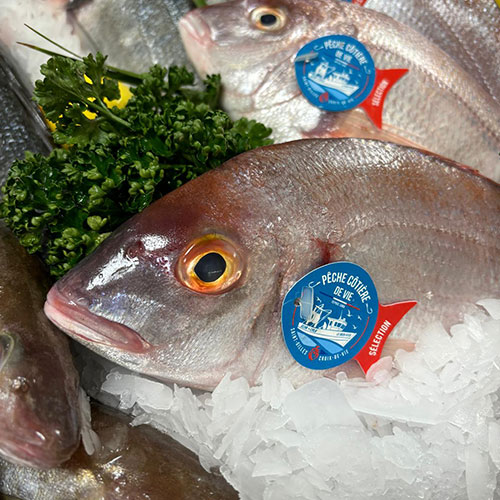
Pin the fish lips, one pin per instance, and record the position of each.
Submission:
(80, 323)
(197, 39)
(193, 26)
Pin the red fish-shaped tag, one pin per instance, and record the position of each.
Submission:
(388, 317)
(374, 103)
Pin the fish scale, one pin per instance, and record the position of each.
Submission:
(21, 125)
(423, 227)
(135, 34)
(467, 30)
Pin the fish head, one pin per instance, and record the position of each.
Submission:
(252, 45)
(39, 427)
(177, 291)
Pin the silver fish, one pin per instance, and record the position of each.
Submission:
(21, 125)
(468, 30)
(423, 227)
(135, 463)
(135, 34)
(39, 406)
(437, 105)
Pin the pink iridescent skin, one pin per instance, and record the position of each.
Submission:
(423, 227)
(437, 106)
(39, 410)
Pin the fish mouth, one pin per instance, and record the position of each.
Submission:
(80, 323)
(35, 452)
(192, 26)
(196, 37)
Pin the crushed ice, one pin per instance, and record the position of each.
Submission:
(90, 439)
(428, 429)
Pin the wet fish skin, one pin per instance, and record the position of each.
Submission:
(467, 30)
(39, 410)
(437, 106)
(21, 126)
(135, 463)
(423, 227)
(135, 34)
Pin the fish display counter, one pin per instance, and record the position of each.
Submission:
(261, 250)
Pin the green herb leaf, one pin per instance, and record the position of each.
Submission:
(64, 205)
(71, 88)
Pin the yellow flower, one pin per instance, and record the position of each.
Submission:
(120, 103)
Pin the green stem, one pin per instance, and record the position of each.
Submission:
(111, 72)
(45, 51)
(199, 3)
(52, 41)
(124, 75)
(106, 111)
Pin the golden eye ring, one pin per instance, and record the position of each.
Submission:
(268, 18)
(211, 264)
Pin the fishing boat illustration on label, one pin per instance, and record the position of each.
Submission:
(317, 321)
(325, 75)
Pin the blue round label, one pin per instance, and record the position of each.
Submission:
(335, 72)
(329, 315)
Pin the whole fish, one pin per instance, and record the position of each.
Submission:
(135, 34)
(39, 409)
(134, 463)
(21, 126)
(437, 105)
(467, 30)
(423, 227)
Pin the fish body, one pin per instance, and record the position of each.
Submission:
(134, 463)
(437, 105)
(467, 30)
(135, 34)
(21, 126)
(423, 227)
(39, 410)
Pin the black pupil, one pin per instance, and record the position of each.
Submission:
(210, 267)
(268, 19)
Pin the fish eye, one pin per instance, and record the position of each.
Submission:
(211, 264)
(268, 18)
(210, 267)
(6, 348)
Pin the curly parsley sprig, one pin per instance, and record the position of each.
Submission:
(64, 205)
